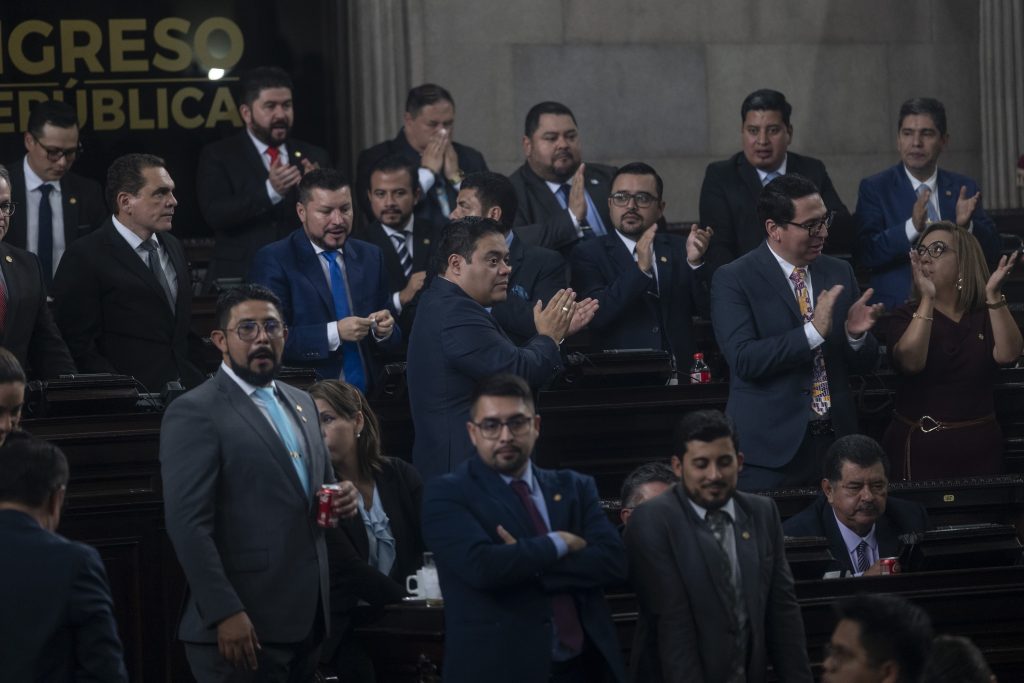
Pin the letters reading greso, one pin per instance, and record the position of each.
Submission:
(132, 73)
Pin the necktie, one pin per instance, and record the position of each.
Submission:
(45, 244)
(273, 153)
(284, 429)
(401, 240)
(770, 177)
(150, 246)
(351, 360)
(563, 199)
(821, 399)
(718, 521)
(933, 215)
(441, 192)
(567, 619)
(862, 557)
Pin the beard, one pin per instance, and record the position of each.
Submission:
(246, 373)
(266, 134)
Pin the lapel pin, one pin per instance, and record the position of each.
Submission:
(297, 154)
(593, 181)
(557, 497)
(981, 335)
(72, 200)
(745, 535)
(948, 193)
(426, 240)
(298, 407)
(10, 260)
(664, 259)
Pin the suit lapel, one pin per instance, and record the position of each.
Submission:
(315, 461)
(69, 205)
(666, 263)
(15, 284)
(492, 485)
(748, 558)
(887, 538)
(949, 193)
(554, 498)
(387, 247)
(422, 232)
(769, 268)
(131, 261)
(822, 278)
(309, 265)
(836, 544)
(542, 194)
(710, 551)
(751, 179)
(355, 273)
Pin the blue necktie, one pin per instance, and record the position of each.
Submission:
(284, 429)
(770, 176)
(44, 246)
(933, 215)
(352, 362)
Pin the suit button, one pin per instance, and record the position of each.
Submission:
(655, 329)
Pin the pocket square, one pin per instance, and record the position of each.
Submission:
(520, 292)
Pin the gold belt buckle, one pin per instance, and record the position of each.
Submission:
(935, 424)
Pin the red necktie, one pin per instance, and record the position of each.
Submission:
(273, 153)
(567, 620)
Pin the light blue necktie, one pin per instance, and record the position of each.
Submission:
(284, 429)
(933, 215)
(770, 176)
(352, 362)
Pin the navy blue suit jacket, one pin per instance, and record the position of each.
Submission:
(291, 268)
(630, 315)
(454, 345)
(884, 203)
(57, 620)
(497, 596)
(901, 517)
(760, 331)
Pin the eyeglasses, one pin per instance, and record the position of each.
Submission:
(642, 199)
(935, 249)
(517, 426)
(56, 153)
(814, 228)
(248, 330)
(7, 208)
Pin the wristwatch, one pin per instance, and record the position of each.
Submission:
(998, 304)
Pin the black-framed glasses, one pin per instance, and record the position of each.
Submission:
(491, 427)
(7, 208)
(248, 330)
(814, 228)
(55, 154)
(642, 199)
(935, 249)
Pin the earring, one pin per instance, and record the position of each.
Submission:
(358, 434)
(960, 283)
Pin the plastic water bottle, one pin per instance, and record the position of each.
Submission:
(700, 373)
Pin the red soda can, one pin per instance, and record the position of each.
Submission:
(887, 565)
(325, 515)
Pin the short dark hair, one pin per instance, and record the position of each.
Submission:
(645, 474)
(320, 179)
(924, 106)
(538, 110)
(505, 385)
(891, 630)
(640, 168)
(775, 203)
(461, 236)
(702, 425)
(424, 96)
(494, 189)
(256, 80)
(861, 450)
(10, 368)
(396, 162)
(230, 298)
(53, 112)
(767, 100)
(6, 175)
(955, 659)
(31, 470)
(125, 175)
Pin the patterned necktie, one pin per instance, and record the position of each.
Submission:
(718, 521)
(862, 557)
(150, 246)
(770, 177)
(821, 399)
(44, 246)
(567, 619)
(273, 153)
(352, 362)
(287, 433)
(563, 199)
(401, 240)
(933, 215)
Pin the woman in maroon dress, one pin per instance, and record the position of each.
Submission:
(948, 344)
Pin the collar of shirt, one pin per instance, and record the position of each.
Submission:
(629, 242)
(729, 508)
(931, 182)
(527, 477)
(32, 181)
(555, 187)
(261, 147)
(788, 268)
(319, 250)
(781, 170)
(133, 240)
(852, 540)
(249, 389)
(406, 230)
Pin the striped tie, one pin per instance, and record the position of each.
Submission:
(821, 399)
(862, 557)
(400, 241)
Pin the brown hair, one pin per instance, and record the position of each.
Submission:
(346, 400)
(970, 264)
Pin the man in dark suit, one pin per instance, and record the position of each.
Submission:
(247, 184)
(427, 141)
(59, 206)
(123, 292)
(649, 285)
(855, 514)
(405, 242)
(728, 197)
(57, 621)
(334, 289)
(456, 342)
(537, 273)
(790, 359)
(26, 325)
(561, 199)
(894, 206)
(242, 459)
(709, 568)
(522, 554)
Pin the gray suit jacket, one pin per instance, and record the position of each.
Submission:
(685, 631)
(244, 530)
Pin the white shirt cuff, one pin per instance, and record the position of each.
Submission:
(560, 545)
(855, 344)
(426, 179)
(275, 198)
(911, 231)
(333, 336)
(814, 340)
(396, 300)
